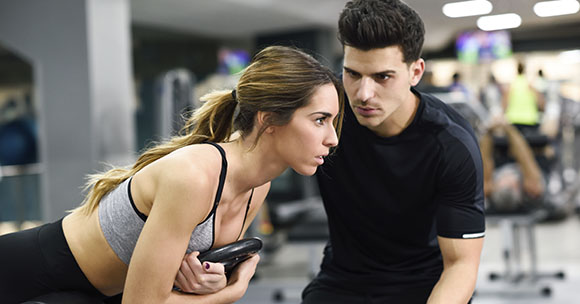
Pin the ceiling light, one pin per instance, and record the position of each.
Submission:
(499, 22)
(467, 8)
(556, 8)
(572, 56)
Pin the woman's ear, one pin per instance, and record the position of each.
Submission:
(263, 119)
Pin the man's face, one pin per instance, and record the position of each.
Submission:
(378, 83)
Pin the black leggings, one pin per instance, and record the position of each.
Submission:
(38, 261)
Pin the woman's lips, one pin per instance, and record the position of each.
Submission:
(320, 159)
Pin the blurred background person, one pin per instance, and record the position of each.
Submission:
(522, 103)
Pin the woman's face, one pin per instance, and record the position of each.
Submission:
(306, 139)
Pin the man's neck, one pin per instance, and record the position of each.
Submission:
(401, 118)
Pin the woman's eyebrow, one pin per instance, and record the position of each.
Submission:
(325, 114)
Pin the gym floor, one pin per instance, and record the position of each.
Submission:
(285, 273)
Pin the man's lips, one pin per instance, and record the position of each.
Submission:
(365, 110)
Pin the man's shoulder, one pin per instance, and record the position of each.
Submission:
(437, 110)
(452, 133)
(443, 119)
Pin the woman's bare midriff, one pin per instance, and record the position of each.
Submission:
(97, 260)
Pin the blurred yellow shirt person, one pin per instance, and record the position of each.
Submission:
(523, 102)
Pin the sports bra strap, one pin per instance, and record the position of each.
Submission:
(221, 185)
(218, 193)
(246, 215)
(223, 174)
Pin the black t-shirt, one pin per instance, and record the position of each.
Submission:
(387, 199)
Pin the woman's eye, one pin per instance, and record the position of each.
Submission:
(320, 120)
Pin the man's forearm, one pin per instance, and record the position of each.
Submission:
(522, 153)
(455, 286)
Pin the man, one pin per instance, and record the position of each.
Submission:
(518, 183)
(458, 86)
(404, 190)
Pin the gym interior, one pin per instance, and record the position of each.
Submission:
(85, 84)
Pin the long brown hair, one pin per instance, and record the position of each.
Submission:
(279, 80)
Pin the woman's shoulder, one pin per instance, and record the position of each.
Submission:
(191, 171)
(184, 181)
(195, 162)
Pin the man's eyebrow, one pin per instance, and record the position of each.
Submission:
(377, 73)
(350, 70)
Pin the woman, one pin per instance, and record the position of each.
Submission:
(199, 190)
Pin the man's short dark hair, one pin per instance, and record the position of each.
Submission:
(371, 24)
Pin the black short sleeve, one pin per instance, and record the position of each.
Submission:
(460, 200)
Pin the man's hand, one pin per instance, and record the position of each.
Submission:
(533, 187)
(198, 278)
(497, 124)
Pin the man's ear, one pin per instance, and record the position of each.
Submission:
(263, 119)
(416, 71)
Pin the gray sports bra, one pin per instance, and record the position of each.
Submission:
(121, 221)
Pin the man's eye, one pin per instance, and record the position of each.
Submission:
(352, 74)
(383, 76)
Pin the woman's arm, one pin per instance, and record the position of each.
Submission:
(199, 279)
(178, 206)
(236, 288)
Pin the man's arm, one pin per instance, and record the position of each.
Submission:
(486, 147)
(524, 156)
(460, 265)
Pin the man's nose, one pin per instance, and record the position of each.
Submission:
(366, 89)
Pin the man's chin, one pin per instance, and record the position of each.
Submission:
(366, 121)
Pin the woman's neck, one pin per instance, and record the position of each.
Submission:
(250, 166)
